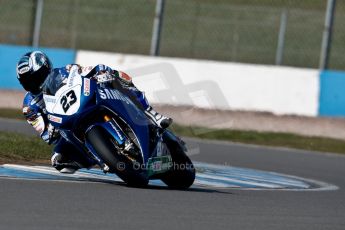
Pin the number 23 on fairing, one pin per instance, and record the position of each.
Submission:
(66, 100)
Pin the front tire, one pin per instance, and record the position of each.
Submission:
(102, 143)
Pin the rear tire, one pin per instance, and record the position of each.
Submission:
(118, 164)
(182, 174)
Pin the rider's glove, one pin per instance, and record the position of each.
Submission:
(51, 135)
(104, 77)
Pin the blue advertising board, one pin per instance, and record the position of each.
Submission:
(10, 54)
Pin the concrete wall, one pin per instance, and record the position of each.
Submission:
(210, 84)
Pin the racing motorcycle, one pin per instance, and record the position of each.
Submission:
(116, 135)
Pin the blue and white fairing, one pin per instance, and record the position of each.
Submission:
(80, 95)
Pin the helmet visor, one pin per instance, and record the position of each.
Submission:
(32, 82)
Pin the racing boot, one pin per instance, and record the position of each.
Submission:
(157, 118)
(69, 167)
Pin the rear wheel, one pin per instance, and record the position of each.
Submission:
(182, 174)
(103, 144)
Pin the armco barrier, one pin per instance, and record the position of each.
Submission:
(332, 93)
(9, 56)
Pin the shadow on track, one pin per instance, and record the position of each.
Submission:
(158, 187)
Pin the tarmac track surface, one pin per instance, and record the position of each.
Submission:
(35, 204)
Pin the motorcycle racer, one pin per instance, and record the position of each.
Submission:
(36, 74)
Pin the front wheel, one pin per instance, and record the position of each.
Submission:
(101, 142)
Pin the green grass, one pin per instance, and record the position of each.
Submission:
(17, 147)
(229, 30)
(11, 113)
(264, 138)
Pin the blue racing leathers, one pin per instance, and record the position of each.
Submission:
(34, 106)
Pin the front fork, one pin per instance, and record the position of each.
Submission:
(122, 143)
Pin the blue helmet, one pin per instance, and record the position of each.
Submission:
(32, 70)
